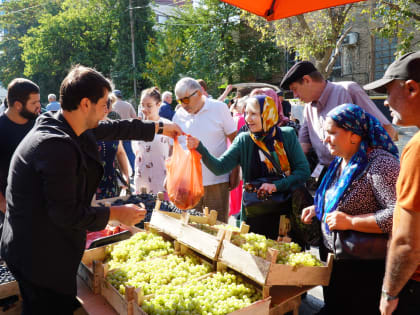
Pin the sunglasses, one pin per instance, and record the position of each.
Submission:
(186, 99)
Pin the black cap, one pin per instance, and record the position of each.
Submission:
(297, 72)
(406, 67)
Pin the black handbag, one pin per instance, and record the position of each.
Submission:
(257, 204)
(350, 244)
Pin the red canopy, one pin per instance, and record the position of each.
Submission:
(279, 9)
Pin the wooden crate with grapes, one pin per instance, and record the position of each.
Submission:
(273, 263)
(181, 280)
(187, 234)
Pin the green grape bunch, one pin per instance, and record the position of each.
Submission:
(221, 293)
(137, 248)
(288, 253)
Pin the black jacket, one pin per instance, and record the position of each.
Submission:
(52, 180)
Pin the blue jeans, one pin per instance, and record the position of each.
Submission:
(130, 154)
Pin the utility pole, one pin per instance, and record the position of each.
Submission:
(133, 52)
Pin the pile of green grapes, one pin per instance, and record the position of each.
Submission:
(289, 253)
(154, 274)
(137, 248)
(220, 293)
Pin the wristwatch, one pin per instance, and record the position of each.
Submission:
(388, 297)
(160, 130)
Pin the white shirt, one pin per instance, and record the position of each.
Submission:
(150, 170)
(210, 125)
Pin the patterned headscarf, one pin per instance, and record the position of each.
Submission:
(271, 93)
(270, 139)
(355, 119)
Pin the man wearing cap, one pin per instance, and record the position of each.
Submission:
(126, 111)
(401, 286)
(320, 96)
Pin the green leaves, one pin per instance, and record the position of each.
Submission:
(398, 19)
(45, 38)
(209, 42)
(312, 35)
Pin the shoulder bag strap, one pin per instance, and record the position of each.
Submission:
(276, 166)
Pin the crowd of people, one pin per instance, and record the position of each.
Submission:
(86, 145)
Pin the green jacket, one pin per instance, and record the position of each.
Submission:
(240, 152)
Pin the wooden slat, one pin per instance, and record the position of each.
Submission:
(90, 255)
(9, 289)
(261, 307)
(166, 224)
(255, 268)
(286, 307)
(200, 241)
(280, 274)
(114, 298)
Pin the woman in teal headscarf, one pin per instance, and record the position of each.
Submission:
(357, 193)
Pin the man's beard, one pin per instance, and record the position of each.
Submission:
(27, 114)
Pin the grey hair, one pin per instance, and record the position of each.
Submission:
(185, 86)
(52, 96)
(166, 94)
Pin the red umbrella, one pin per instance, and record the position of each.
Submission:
(279, 9)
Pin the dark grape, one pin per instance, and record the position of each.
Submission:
(149, 201)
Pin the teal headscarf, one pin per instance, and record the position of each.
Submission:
(351, 117)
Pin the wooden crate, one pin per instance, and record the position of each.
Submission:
(92, 257)
(267, 272)
(202, 242)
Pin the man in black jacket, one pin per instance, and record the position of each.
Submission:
(54, 174)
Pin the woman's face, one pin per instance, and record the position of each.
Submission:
(150, 108)
(339, 140)
(253, 116)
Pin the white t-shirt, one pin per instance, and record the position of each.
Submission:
(211, 125)
(150, 170)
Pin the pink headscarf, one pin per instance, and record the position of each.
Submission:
(271, 93)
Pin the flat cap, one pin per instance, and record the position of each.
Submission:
(406, 67)
(297, 72)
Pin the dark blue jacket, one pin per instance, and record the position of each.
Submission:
(166, 111)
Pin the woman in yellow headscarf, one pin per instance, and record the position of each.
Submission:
(262, 152)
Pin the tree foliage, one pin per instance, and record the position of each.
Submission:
(205, 42)
(17, 18)
(316, 35)
(123, 71)
(44, 38)
(398, 19)
(81, 33)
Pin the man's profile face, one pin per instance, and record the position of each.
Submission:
(97, 111)
(32, 107)
(191, 101)
(301, 91)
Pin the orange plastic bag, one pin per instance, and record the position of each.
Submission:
(184, 179)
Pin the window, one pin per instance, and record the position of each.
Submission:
(384, 55)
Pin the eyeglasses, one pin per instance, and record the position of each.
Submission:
(186, 99)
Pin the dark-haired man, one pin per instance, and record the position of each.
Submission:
(320, 96)
(24, 107)
(53, 177)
